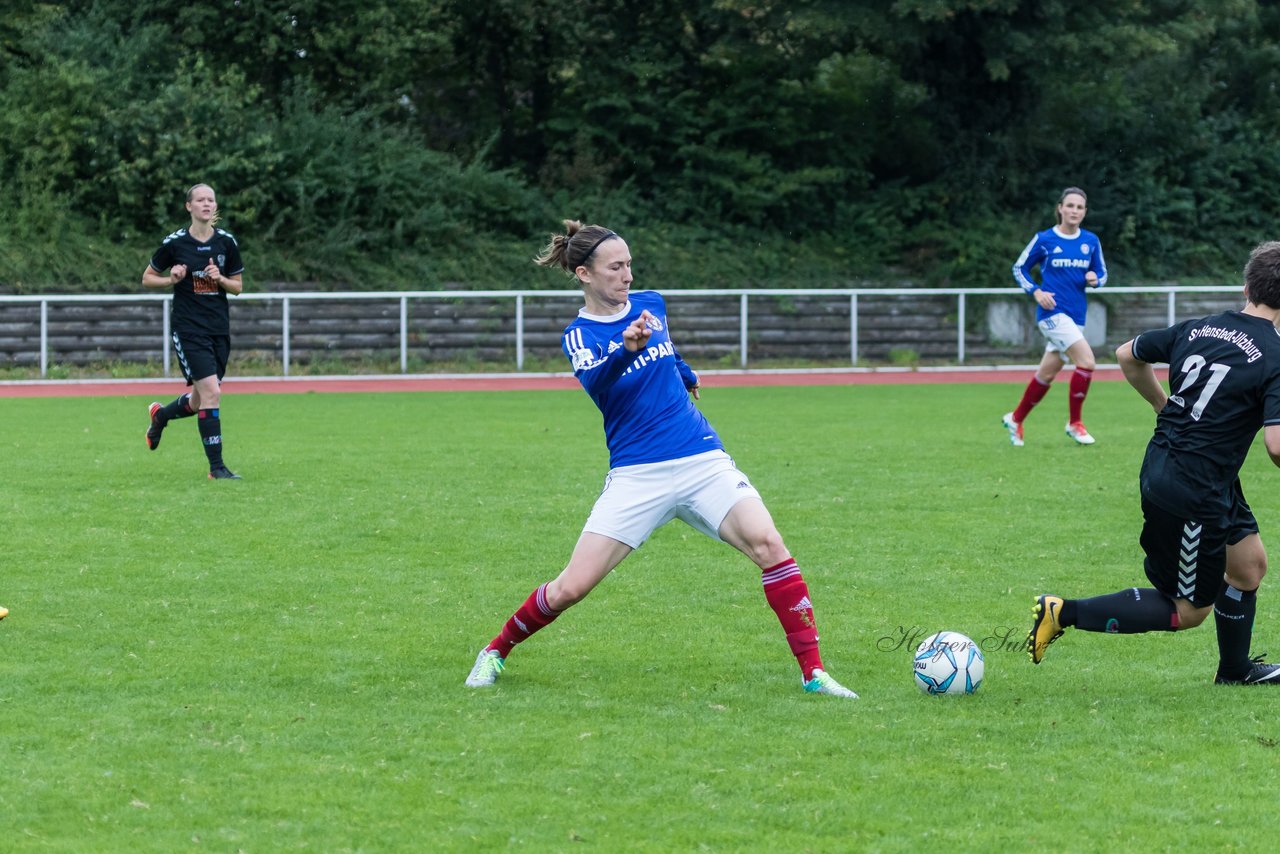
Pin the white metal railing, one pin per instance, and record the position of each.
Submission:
(961, 294)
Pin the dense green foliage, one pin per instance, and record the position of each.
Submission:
(422, 143)
(276, 664)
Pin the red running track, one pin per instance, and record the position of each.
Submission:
(518, 382)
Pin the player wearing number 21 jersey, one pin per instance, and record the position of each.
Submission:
(1224, 384)
(1203, 552)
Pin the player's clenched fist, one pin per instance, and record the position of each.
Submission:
(212, 273)
(636, 336)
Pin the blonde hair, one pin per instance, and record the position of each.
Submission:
(578, 242)
(191, 190)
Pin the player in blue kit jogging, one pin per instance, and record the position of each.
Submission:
(1203, 552)
(665, 459)
(203, 264)
(1070, 262)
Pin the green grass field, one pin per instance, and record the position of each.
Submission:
(277, 664)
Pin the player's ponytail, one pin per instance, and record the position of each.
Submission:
(574, 248)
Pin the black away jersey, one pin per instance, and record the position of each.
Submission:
(1224, 385)
(199, 306)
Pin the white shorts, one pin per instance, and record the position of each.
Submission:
(638, 500)
(1060, 333)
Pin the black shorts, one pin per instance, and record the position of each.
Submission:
(201, 355)
(1186, 558)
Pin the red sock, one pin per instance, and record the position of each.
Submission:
(534, 614)
(1080, 379)
(788, 596)
(1035, 393)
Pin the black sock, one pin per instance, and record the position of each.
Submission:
(177, 408)
(211, 436)
(1233, 615)
(1128, 612)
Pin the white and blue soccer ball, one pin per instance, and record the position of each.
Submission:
(949, 663)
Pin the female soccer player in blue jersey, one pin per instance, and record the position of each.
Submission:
(1070, 262)
(665, 460)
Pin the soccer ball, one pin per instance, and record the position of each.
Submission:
(948, 663)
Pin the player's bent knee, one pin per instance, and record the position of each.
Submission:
(562, 595)
(767, 550)
(1192, 620)
(1189, 616)
(1247, 576)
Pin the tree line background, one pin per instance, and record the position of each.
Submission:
(436, 143)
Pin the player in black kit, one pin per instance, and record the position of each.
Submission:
(204, 266)
(1201, 540)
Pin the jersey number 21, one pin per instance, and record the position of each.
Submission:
(1192, 367)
